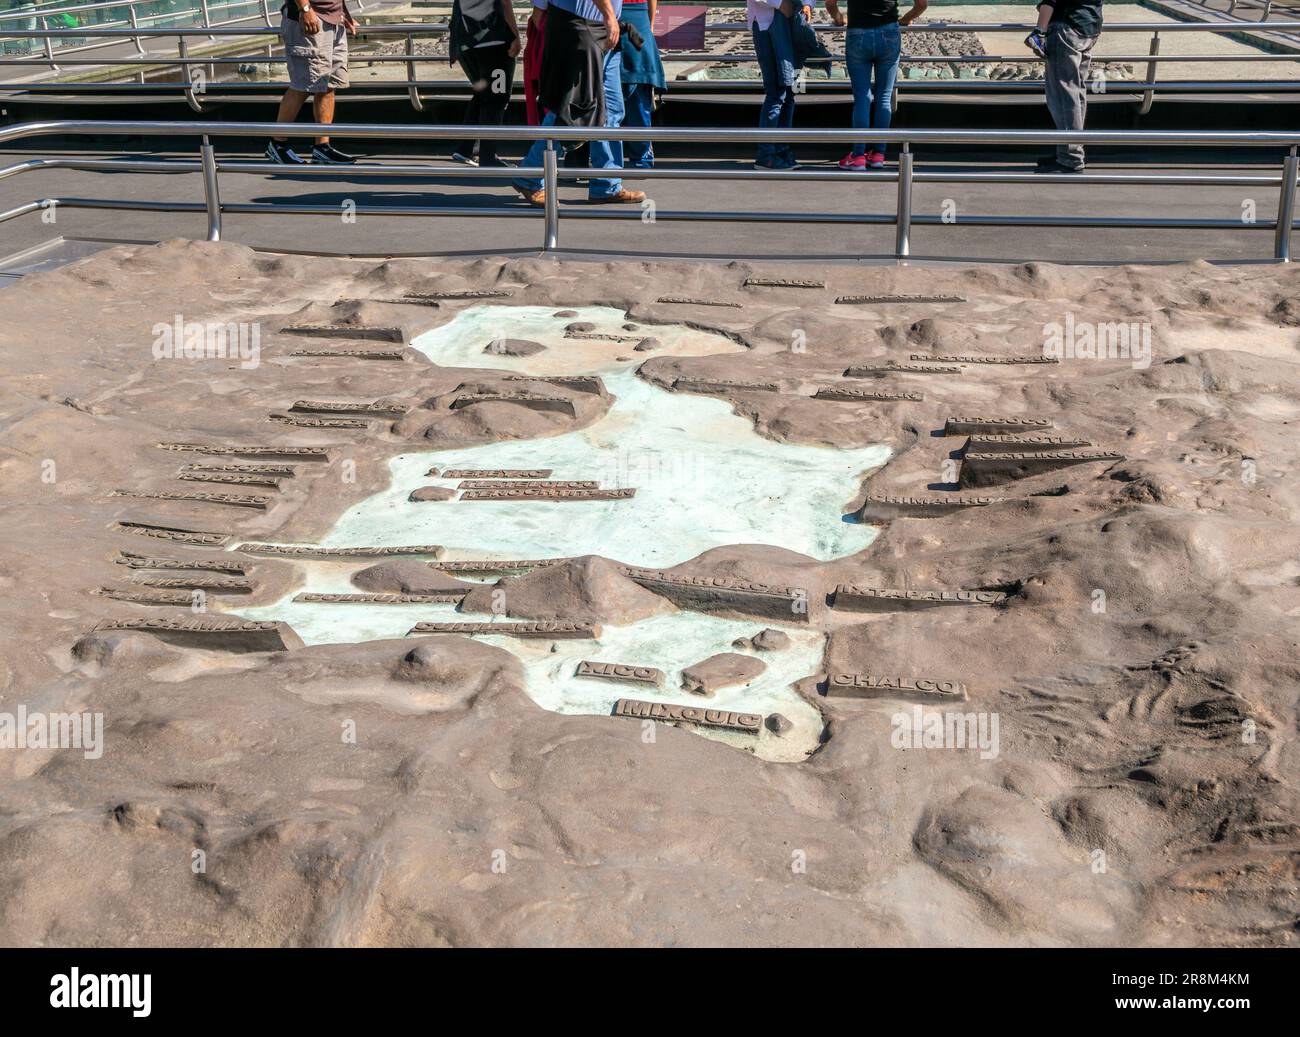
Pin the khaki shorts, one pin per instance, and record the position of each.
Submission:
(317, 63)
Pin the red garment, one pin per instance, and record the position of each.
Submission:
(533, 67)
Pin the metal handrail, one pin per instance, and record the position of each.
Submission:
(731, 57)
(903, 218)
(135, 32)
(100, 5)
(1234, 26)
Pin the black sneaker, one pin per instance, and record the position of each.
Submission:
(280, 153)
(329, 155)
(1056, 167)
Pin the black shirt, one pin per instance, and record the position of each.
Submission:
(1083, 16)
(872, 14)
(474, 23)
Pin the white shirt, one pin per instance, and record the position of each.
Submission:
(763, 11)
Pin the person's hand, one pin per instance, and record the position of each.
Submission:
(350, 24)
(807, 13)
(611, 30)
(515, 47)
(310, 22)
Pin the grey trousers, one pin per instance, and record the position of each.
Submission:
(1069, 56)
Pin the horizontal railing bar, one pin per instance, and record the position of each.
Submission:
(457, 172)
(731, 58)
(725, 135)
(437, 28)
(100, 5)
(739, 57)
(262, 208)
(1132, 179)
(1117, 88)
(106, 165)
(22, 210)
(929, 26)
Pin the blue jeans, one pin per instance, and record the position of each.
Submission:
(775, 50)
(872, 53)
(640, 103)
(605, 154)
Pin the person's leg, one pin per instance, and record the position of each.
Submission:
(889, 48)
(638, 108)
(297, 55)
(496, 74)
(290, 105)
(608, 154)
(549, 52)
(323, 108)
(1066, 91)
(332, 55)
(534, 159)
(856, 50)
(770, 112)
(472, 66)
(787, 74)
(1085, 70)
(530, 184)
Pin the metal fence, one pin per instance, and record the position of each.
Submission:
(903, 217)
(54, 60)
(62, 27)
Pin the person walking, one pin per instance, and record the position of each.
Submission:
(872, 47)
(770, 24)
(485, 40)
(1066, 32)
(315, 34)
(643, 74)
(581, 85)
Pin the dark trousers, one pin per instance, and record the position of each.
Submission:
(1069, 58)
(491, 74)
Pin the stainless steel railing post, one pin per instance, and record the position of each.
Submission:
(903, 215)
(183, 51)
(135, 24)
(49, 46)
(1286, 208)
(551, 190)
(1149, 94)
(413, 91)
(211, 193)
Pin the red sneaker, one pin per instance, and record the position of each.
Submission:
(852, 161)
(876, 159)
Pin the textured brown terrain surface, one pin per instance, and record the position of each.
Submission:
(1145, 787)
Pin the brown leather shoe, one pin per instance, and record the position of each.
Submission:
(537, 198)
(624, 195)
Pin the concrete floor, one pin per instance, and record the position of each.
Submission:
(603, 234)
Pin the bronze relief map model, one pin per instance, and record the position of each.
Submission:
(523, 602)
